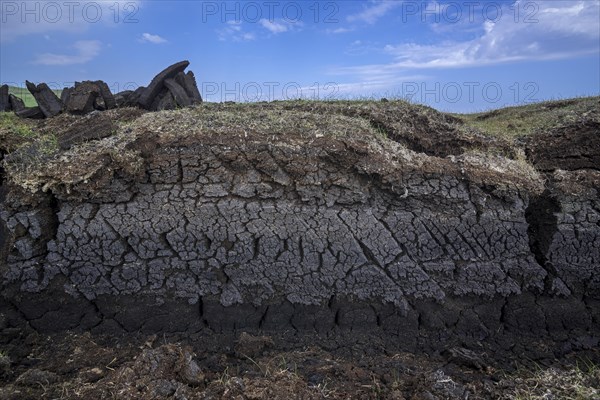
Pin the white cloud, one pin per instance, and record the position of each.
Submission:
(338, 31)
(273, 27)
(235, 25)
(376, 86)
(86, 50)
(563, 29)
(279, 26)
(44, 16)
(362, 47)
(371, 14)
(237, 31)
(234, 30)
(149, 38)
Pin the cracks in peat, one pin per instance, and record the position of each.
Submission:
(543, 224)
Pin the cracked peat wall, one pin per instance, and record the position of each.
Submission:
(318, 236)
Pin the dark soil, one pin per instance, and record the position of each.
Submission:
(85, 366)
(572, 147)
(493, 240)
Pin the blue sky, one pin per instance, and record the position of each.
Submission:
(458, 55)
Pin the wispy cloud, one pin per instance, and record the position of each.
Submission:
(85, 51)
(248, 36)
(559, 25)
(273, 27)
(376, 10)
(375, 86)
(279, 26)
(338, 31)
(69, 17)
(234, 31)
(150, 38)
(363, 47)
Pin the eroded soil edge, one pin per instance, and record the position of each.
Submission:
(314, 237)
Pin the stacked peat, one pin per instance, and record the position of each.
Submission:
(170, 89)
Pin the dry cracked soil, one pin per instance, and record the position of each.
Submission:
(300, 250)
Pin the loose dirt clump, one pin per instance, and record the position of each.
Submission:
(166, 371)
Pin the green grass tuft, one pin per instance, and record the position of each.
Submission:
(10, 124)
(27, 97)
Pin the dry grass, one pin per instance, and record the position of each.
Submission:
(580, 382)
(266, 120)
(40, 166)
(519, 166)
(27, 146)
(514, 122)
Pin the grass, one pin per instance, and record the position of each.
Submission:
(27, 97)
(513, 122)
(255, 119)
(41, 165)
(28, 148)
(489, 153)
(580, 382)
(15, 132)
(35, 155)
(10, 124)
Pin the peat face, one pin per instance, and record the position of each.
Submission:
(312, 235)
